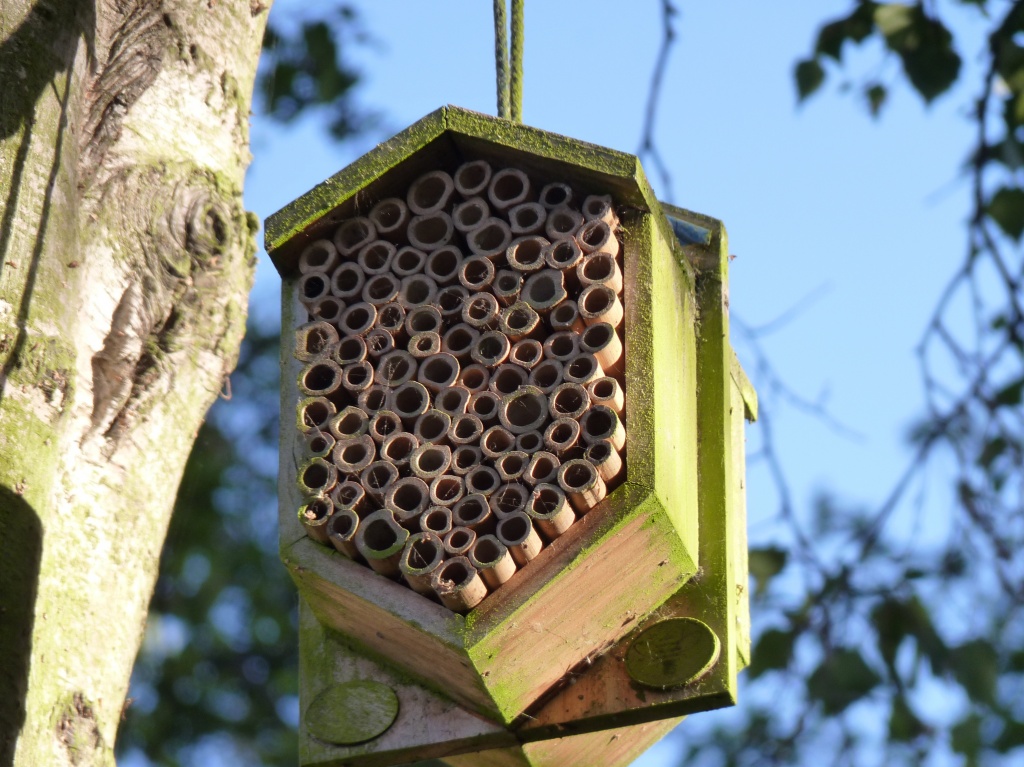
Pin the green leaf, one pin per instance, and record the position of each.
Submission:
(903, 722)
(975, 665)
(1011, 394)
(773, 651)
(994, 448)
(1006, 208)
(842, 678)
(1011, 737)
(765, 564)
(809, 77)
(893, 19)
(966, 736)
(924, 45)
(876, 98)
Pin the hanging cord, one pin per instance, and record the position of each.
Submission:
(509, 68)
(501, 62)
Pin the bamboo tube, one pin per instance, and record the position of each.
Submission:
(446, 490)
(312, 287)
(314, 414)
(379, 342)
(431, 231)
(466, 430)
(582, 484)
(597, 237)
(523, 410)
(442, 266)
(439, 371)
(428, 462)
(476, 273)
(474, 377)
(375, 258)
(511, 465)
(517, 533)
(490, 239)
(327, 309)
(458, 341)
(562, 223)
(341, 532)
(583, 369)
(598, 207)
(508, 499)
(459, 540)
(409, 261)
(407, 499)
(509, 187)
(506, 286)
(480, 311)
(471, 178)
(314, 339)
(398, 448)
(422, 555)
(380, 540)
(519, 321)
(551, 513)
(526, 353)
(450, 301)
(376, 478)
(468, 215)
(423, 319)
(491, 349)
(601, 340)
(314, 516)
(497, 441)
(600, 268)
(526, 254)
(458, 585)
(351, 456)
(569, 400)
(417, 290)
(546, 375)
(347, 281)
(432, 427)
(493, 561)
(350, 349)
(321, 378)
(543, 469)
(602, 423)
(390, 217)
(530, 441)
(396, 368)
(544, 290)
(465, 457)
(527, 218)
(436, 520)
(391, 317)
(358, 319)
(555, 195)
(430, 192)
(474, 512)
(357, 377)
(561, 436)
(383, 424)
(598, 303)
(484, 405)
(319, 443)
(453, 400)
(349, 495)
(563, 346)
(607, 392)
(423, 345)
(316, 477)
(353, 235)
(381, 289)
(350, 423)
(373, 399)
(564, 255)
(483, 480)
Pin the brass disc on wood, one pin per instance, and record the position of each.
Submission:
(672, 653)
(351, 713)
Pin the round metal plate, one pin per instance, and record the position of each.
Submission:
(351, 713)
(672, 653)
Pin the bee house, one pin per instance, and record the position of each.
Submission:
(511, 490)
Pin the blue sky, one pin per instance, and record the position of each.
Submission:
(857, 222)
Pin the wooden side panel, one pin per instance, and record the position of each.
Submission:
(741, 394)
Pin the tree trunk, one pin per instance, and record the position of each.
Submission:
(126, 258)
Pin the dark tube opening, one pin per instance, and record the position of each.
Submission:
(319, 377)
(379, 536)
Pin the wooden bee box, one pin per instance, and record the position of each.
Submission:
(500, 674)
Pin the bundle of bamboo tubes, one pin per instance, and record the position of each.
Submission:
(462, 395)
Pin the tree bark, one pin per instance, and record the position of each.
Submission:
(126, 258)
